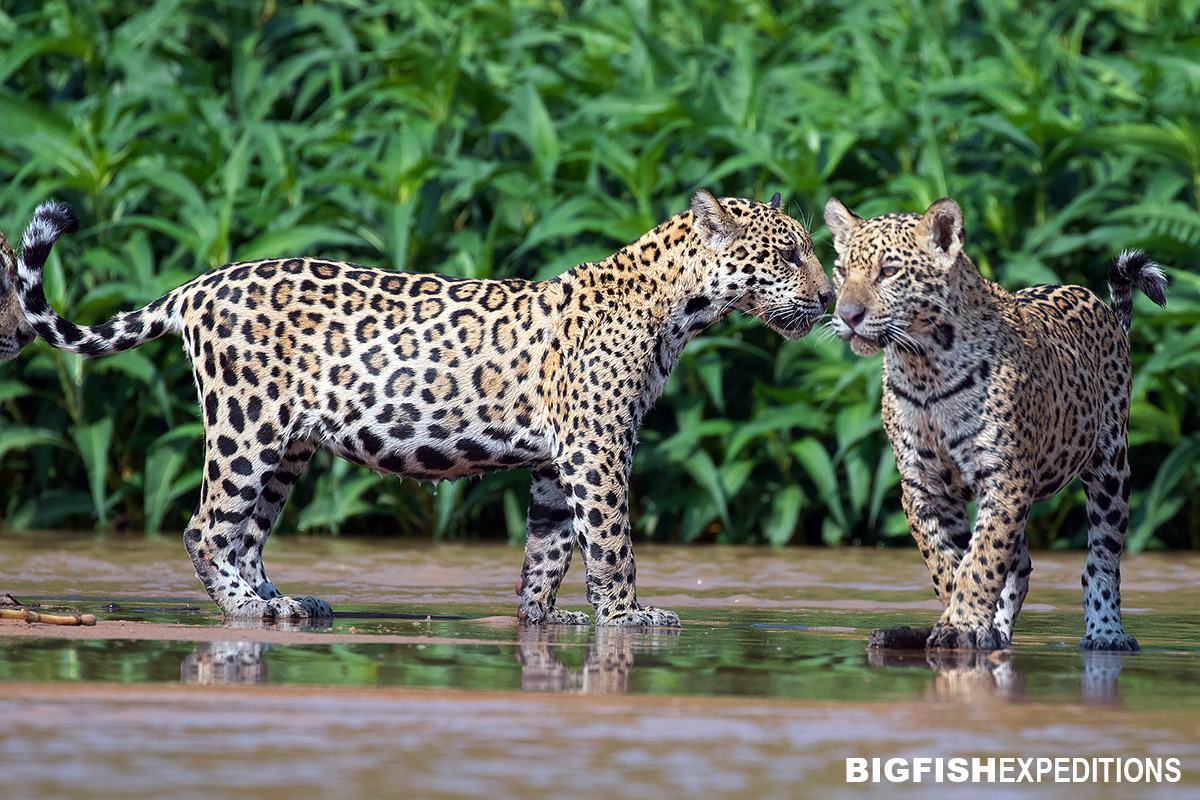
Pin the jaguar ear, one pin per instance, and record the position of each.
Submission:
(941, 230)
(715, 226)
(776, 201)
(842, 222)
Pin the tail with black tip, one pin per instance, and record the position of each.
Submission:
(1133, 267)
(123, 332)
(50, 220)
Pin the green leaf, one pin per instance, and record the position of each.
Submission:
(785, 512)
(338, 496)
(445, 504)
(514, 518)
(528, 120)
(22, 437)
(1159, 505)
(886, 476)
(819, 466)
(13, 389)
(294, 241)
(702, 469)
(773, 421)
(94, 441)
(167, 459)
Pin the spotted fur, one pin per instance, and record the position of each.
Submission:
(15, 330)
(434, 377)
(997, 397)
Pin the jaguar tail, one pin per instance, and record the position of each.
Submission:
(123, 332)
(1133, 267)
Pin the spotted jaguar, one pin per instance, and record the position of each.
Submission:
(995, 397)
(435, 378)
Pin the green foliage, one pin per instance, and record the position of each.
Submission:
(517, 139)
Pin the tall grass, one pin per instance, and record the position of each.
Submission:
(493, 139)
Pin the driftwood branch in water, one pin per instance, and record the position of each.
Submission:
(47, 619)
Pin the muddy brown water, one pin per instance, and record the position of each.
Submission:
(426, 685)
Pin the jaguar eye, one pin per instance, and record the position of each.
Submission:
(839, 271)
(788, 254)
(888, 272)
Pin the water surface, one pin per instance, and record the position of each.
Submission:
(426, 685)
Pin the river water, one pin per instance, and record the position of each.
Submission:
(426, 685)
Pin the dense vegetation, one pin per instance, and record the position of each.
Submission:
(518, 138)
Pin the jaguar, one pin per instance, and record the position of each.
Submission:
(994, 397)
(434, 377)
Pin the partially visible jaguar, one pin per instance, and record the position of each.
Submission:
(15, 332)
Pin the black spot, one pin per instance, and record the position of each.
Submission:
(371, 443)
(393, 463)
(434, 459)
(266, 433)
(236, 418)
(472, 450)
(943, 334)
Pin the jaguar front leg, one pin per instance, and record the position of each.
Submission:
(1016, 586)
(549, 540)
(595, 482)
(996, 548)
(934, 500)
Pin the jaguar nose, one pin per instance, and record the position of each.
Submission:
(851, 313)
(823, 297)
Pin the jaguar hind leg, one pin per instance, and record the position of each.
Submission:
(225, 536)
(549, 540)
(277, 485)
(1106, 485)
